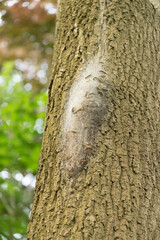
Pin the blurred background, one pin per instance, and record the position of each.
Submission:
(26, 47)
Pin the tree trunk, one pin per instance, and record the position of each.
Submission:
(99, 170)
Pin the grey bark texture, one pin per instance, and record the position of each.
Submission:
(99, 169)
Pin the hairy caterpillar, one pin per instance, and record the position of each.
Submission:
(83, 116)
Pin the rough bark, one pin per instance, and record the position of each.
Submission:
(99, 170)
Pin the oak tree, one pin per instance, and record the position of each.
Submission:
(99, 170)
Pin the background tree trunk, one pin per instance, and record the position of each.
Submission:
(99, 170)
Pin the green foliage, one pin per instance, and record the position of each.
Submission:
(21, 119)
(26, 45)
(21, 127)
(14, 207)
